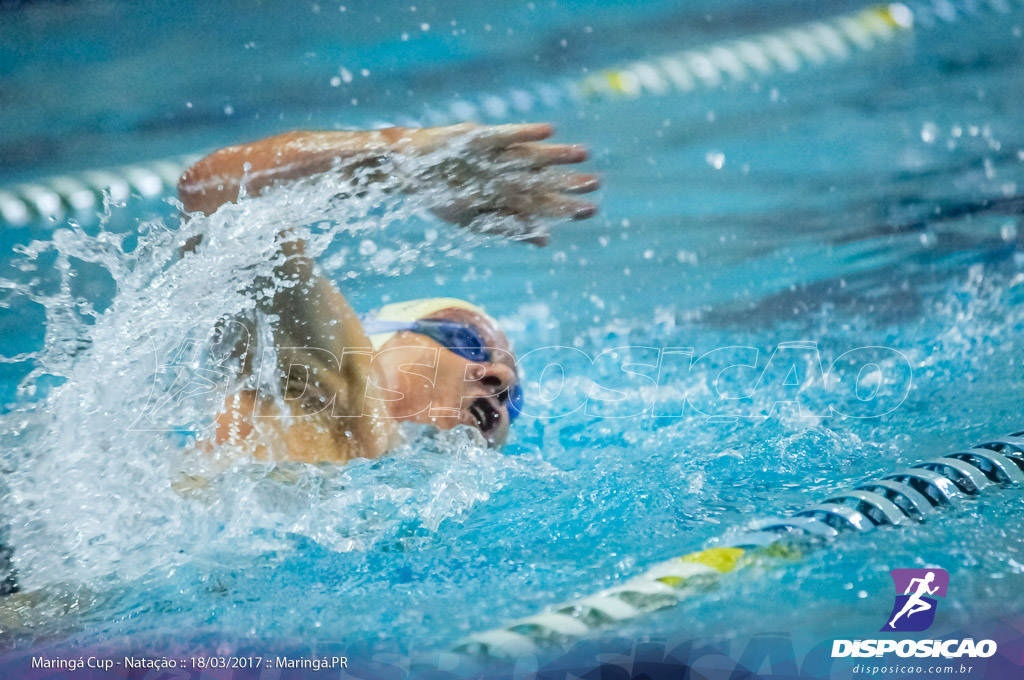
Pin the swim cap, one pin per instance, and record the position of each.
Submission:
(414, 310)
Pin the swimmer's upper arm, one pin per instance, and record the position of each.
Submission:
(325, 355)
(325, 362)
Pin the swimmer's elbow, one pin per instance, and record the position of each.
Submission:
(198, 192)
(187, 193)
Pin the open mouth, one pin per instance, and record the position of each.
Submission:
(486, 415)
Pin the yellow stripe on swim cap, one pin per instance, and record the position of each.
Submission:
(413, 310)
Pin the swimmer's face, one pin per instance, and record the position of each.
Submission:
(439, 387)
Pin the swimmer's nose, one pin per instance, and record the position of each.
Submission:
(497, 378)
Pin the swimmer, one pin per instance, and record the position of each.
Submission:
(348, 381)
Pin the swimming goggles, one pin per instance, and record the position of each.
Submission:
(461, 339)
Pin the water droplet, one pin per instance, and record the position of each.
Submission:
(1008, 231)
(715, 159)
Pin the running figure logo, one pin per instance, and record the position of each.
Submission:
(914, 610)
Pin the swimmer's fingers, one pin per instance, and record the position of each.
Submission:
(414, 141)
(504, 221)
(571, 208)
(575, 183)
(496, 137)
(537, 239)
(535, 155)
(552, 204)
(514, 142)
(523, 210)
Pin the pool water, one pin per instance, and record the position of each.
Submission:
(846, 240)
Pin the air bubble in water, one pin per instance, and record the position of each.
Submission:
(1008, 231)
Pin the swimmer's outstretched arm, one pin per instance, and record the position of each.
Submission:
(496, 169)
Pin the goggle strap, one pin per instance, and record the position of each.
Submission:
(372, 326)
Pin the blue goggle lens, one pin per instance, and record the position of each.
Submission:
(515, 401)
(459, 338)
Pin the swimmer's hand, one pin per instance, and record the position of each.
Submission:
(500, 178)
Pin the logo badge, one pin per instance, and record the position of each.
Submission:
(916, 590)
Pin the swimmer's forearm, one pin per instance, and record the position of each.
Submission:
(219, 177)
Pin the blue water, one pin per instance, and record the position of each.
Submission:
(873, 203)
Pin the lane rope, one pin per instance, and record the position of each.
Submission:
(788, 50)
(82, 194)
(903, 498)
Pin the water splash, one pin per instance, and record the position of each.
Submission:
(105, 483)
